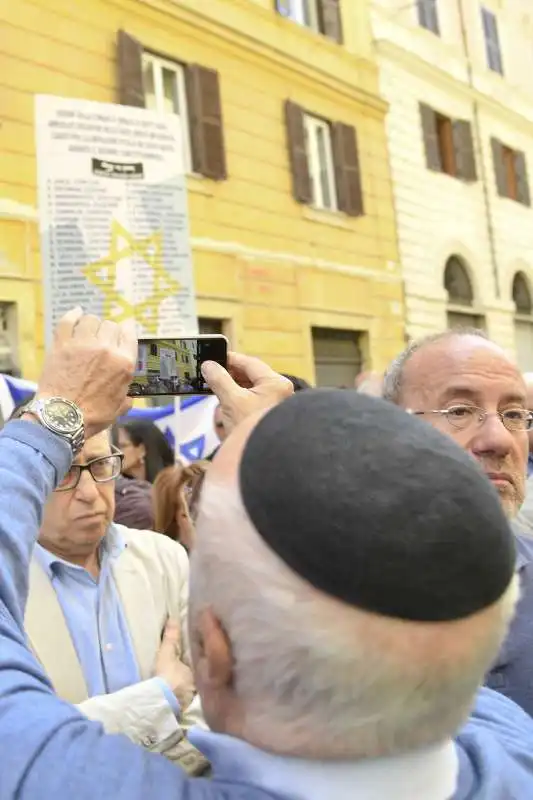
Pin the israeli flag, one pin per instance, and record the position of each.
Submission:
(188, 422)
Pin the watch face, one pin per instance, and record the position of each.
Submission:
(62, 416)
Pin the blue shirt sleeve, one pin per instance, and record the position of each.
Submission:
(171, 698)
(49, 750)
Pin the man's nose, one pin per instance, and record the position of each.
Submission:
(86, 489)
(491, 436)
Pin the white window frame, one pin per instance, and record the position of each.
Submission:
(158, 64)
(312, 127)
(305, 12)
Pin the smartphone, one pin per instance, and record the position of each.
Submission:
(173, 366)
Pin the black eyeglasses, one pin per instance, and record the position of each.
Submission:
(462, 417)
(102, 470)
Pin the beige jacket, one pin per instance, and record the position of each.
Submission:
(151, 576)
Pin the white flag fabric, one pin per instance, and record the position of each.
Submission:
(188, 422)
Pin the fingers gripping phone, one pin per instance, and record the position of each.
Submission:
(173, 366)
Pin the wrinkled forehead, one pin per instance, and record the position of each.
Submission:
(462, 365)
(95, 447)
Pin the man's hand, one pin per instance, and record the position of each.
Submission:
(249, 386)
(91, 363)
(169, 667)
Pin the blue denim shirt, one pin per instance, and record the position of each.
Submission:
(95, 618)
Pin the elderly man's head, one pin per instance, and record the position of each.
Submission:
(338, 608)
(77, 515)
(467, 387)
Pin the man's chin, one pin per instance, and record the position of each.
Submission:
(508, 499)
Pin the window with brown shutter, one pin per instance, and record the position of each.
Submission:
(347, 170)
(465, 158)
(431, 138)
(510, 171)
(522, 183)
(192, 92)
(499, 167)
(448, 144)
(330, 19)
(130, 70)
(205, 120)
(301, 179)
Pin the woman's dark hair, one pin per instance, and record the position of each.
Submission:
(159, 453)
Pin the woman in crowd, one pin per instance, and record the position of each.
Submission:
(146, 453)
(146, 450)
(176, 493)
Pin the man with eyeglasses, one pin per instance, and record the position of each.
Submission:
(467, 387)
(107, 611)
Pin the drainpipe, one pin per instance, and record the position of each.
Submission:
(482, 165)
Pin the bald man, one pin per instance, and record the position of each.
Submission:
(467, 387)
(329, 663)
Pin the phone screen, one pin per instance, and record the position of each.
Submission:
(173, 366)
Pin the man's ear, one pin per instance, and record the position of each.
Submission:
(215, 658)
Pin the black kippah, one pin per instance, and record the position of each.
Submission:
(375, 507)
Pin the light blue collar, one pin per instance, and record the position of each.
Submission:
(430, 774)
(110, 548)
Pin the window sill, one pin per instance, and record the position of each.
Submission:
(334, 218)
(197, 184)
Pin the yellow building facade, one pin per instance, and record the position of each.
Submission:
(290, 198)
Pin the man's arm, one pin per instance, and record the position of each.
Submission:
(52, 750)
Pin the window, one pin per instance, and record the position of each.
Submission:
(510, 170)
(206, 325)
(324, 160)
(164, 91)
(304, 12)
(189, 91)
(428, 15)
(492, 41)
(448, 144)
(460, 296)
(8, 339)
(338, 357)
(323, 16)
(457, 283)
(523, 322)
(320, 160)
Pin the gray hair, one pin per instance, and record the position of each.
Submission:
(394, 375)
(314, 675)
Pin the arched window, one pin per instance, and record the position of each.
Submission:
(523, 322)
(521, 294)
(457, 283)
(460, 296)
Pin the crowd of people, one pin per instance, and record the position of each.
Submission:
(338, 604)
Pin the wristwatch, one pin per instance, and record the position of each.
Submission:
(60, 416)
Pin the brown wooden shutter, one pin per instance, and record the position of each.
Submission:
(130, 70)
(205, 121)
(499, 167)
(347, 170)
(302, 188)
(330, 19)
(431, 138)
(522, 183)
(465, 158)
